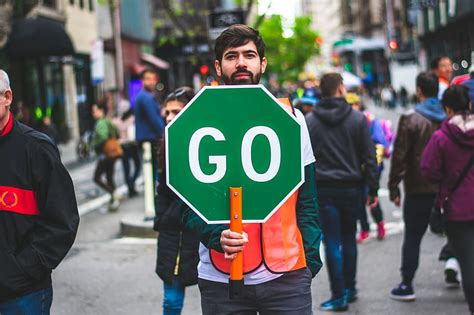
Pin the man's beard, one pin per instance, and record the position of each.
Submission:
(232, 80)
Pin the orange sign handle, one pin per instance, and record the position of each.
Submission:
(236, 281)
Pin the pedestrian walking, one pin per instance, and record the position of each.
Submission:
(177, 255)
(415, 128)
(448, 161)
(148, 120)
(382, 147)
(38, 213)
(386, 96)
(281, 281)
(442, 66)
(104, 131)
(125, 123)
(403, 96)
(346, 163)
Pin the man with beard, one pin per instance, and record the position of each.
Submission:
(148, 121)
(280, 281)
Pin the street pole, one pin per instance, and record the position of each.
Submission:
(148, 181)
(117, 31)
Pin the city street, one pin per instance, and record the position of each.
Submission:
(215, 93)
(107, 274)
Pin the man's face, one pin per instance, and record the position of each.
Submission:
(5, 102)
(241, 65)
(445, 69)
(149, 81)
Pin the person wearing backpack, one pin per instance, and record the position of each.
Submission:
(448, 161)
(103, 131)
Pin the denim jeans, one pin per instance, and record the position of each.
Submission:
(416, 216)
(339, 210)
(173, 298)
(131, 153)
(35, 303)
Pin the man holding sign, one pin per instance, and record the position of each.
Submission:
(281, 255)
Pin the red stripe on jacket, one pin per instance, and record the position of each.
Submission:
(8, 126)
(18, 200)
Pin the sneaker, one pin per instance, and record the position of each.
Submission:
(114, 205)
(351, 295)
(363, 236)
(403, 292)
(335, 305)
(380, 230)
(451, 273)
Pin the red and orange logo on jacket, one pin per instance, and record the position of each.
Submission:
(21, 201)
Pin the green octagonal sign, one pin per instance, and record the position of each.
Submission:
(234, 136)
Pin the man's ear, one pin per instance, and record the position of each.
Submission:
(9, 97)
(217, 65)
(263, 65)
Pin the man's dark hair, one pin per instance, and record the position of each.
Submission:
(428, 84)
(147, 70)
(238, 35)
(329, 84)
(435, 62)
(456, 97)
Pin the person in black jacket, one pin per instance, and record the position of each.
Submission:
(177, 256)
(345, 155)
(38, 213)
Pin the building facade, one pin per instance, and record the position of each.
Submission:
(445, 28)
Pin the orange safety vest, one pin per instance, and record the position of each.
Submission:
(277, 243)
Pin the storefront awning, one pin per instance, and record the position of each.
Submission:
(157, 62)
(38, 37)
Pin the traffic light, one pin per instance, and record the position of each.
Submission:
(204, 69)
(393, 44)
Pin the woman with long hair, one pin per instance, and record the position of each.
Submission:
(177, 256)
(448, 161)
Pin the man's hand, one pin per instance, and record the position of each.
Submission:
(372, 201)
(233, 243)
(396, 201)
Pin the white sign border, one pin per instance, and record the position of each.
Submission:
(283, 107)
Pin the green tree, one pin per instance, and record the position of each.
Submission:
(288, 55)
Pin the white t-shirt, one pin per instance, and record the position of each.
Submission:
(207, 271)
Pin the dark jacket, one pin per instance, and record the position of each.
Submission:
(38, 211)
(470, 85)
(177, 247)
(149, 124)
(444, 158)
(415, 129)
(342, 145)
